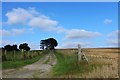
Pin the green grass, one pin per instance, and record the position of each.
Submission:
(68, 65)
(20, 63)
(19, 56)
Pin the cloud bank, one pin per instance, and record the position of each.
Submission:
(113, 39)
(79, 33)
(34, 19)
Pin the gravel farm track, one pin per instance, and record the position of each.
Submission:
(39, 69)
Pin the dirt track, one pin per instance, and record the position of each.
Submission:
(40, 69)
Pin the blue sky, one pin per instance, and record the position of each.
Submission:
(91, 24)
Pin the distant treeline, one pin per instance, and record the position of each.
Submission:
(46, 44)
(24, 49)
(14, 47)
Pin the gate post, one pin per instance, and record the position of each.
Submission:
(79, 52)
(81, 55)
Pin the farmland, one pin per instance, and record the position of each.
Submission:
(103, 60)
(103, 63)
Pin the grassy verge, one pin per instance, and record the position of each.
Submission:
(68, 65)
(20, 63)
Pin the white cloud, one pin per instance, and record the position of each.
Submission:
(79, 33)
(20, 15)
(113, 42)
(4, 32)
(113, 39)
(43, 23)
(114, 34)
(35, 19)
(107, 21)
(74, 44)
(4, 42)
(32, 18)
(18, 31)
(14, 32)
(60, 29)
(34, 46)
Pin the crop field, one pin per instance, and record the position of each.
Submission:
(103, 63)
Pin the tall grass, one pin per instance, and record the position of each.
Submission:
(18, 62)
(67, 65)
(19, 55)
(9, 55)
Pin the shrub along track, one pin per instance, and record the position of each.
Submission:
(39, 69)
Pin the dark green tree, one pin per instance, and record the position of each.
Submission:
(21, 46)
(14, 47)
(48, 44)
(24, 46)
(42, 44)
(27, 48)
(52, 43)
(8, 47)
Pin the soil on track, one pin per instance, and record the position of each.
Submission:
(39, 69)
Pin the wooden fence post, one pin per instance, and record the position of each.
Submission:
(79, 52)
(81, 55)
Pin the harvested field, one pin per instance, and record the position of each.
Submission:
(104, 56)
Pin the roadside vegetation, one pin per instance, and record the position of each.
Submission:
(31, 57)
(12, 57)
(68, 67)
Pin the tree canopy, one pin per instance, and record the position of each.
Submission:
(10, 48)
(48, 44)
(24, 46)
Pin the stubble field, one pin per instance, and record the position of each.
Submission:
(104, 61)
